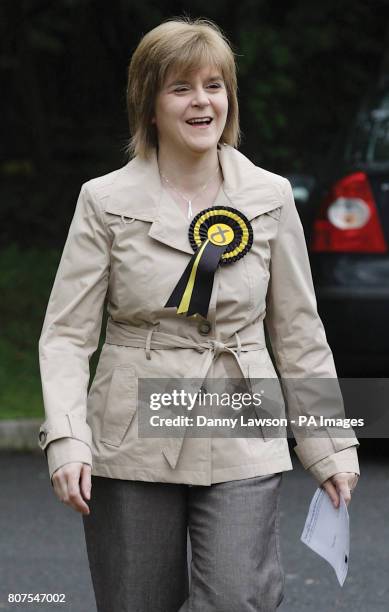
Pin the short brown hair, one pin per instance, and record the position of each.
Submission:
(181, 44)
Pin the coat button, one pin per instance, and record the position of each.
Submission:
(42, 436)
(204, 328)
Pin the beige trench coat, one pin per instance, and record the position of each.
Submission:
(128, 242)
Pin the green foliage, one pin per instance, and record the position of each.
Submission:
(303, 68)
(25, 280)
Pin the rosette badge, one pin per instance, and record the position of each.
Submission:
(219, 235)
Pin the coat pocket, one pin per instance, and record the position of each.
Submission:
(121, 405)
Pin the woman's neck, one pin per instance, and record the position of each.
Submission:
(188, 173)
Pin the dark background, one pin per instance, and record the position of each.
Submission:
(303, 67)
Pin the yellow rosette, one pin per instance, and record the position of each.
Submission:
(219, 235)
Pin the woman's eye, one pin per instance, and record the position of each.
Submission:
(183, 88)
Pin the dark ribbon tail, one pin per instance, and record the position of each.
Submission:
(203, 286)
(201, 290)
(175, 298)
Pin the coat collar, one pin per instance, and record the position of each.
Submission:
(138, 193)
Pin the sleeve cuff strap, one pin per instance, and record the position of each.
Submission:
(311, 449)
(343, 461)
(64, 426)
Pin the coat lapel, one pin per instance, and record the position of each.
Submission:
(138, 193)
(170, 226)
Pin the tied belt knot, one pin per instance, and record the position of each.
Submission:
(123, 334)
(220, 347)
(216, 347)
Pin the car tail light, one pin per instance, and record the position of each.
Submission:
(348, 220)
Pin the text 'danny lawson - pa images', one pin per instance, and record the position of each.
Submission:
(267, 407)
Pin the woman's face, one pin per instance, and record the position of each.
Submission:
(200, 94)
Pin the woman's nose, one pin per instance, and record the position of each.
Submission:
(200, 98)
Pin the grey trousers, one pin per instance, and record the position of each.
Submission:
(136, 538)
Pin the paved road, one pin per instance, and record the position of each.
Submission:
(42, 547)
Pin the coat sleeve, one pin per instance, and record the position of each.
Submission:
(70, 335)
(301, 351)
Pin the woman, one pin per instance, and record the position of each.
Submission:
(175, 311)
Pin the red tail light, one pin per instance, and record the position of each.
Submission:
(348, 220)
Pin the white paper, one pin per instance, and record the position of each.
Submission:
(327, 532)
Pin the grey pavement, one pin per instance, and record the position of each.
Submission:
(42, 546)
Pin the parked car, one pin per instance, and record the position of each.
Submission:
(348, 239)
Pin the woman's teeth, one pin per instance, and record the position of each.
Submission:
(199, 121)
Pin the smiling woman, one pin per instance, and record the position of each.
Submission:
(200, 102)
(187, 298)
(182, 102)
(164, 64)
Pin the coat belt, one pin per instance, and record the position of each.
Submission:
(124, 334)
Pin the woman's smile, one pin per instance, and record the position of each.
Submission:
(200, 123)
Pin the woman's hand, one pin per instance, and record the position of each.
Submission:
(72, 483)
(342, 482)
